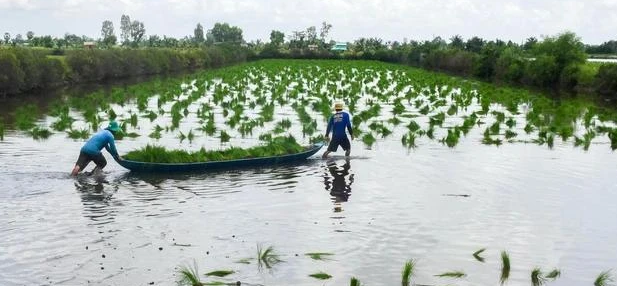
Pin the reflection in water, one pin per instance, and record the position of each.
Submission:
(96, 196)
(336, 183)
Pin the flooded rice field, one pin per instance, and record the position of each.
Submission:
(441, 168)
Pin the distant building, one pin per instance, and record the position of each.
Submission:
(312, 47)
(89, 45)
(339, 47)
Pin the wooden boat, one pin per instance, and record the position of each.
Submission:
(136, 166)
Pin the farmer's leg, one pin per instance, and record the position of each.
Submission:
(81, 163)
(346, 146)
(331, 147)
(100, 162)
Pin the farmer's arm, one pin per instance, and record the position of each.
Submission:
(348, 124)
(330, 125)
(111, 146)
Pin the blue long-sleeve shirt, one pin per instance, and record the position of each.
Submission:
(100, 140)
(337, 124)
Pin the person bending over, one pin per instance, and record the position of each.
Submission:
(91, 151)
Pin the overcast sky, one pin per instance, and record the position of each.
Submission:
(595, 21)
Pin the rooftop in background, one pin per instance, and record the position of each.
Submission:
(339, 47)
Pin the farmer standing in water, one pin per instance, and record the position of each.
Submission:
(91, 151)
(338, 122)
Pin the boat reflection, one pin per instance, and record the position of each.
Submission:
(338, 181)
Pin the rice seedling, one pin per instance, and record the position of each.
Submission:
(612, 135)
(499, 116)
(437, 119)
(318, 255)
(267, 257)
(528, 128)
(554, 274)
(354, 282)
(505, 267)
(604, 279)
(510, 134)
(224, 136)
(151, 115)
(189, 276)
(453, 274)
(413, 126)
(408, 272)
(409, 140)
(430, 132)
(79, 134)
(368, 139)
(1, 131)
(64, 122)
(220, 273)
(494, 128)
(537, 279)
(321, 275)
(511, 123)
(477, 256)
(25, 117)
(451, 139)
(394, 121)
(244, 261)
(39, 133)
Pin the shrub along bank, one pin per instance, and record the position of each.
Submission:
(24, 69)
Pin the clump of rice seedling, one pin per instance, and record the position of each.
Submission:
(505, 267)
(452, 110)
(354, 282)
(25, 117)
(437, 119)
(612, 134)
(267, 257)
(424, 110)
(64, 122)
(510, 122)
(321, 275)
(318, 255)
(409, 140)
(451, 139)
(499, 116)
(189, 276)
(553, 274)
(1, 131)
(368, 139)
(224, 136)
(40, 133)
(156, 134)
(494, 129)
(394, 121)
(413, 126)
(453, 274)
(603, 279)
(510, 134)
(79, 134)
(536, 277)
(220, 273)
(151, 115)
(528, 128)
(408, 271)
(430, 132)
(477, 256)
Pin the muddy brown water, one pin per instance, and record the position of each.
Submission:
(386, 205)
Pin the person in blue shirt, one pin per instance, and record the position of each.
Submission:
(338, 122)
(91, 151)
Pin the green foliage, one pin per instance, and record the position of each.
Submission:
(606, 80)
(408, 272)
(603, 279)
(220, 273)
(155, 154)
(321, 276)
(505, 267)
(318, 255)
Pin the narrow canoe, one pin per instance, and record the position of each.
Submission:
(136, 166)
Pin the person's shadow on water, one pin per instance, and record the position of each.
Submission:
(335, 181)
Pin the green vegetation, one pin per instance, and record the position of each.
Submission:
(318, 255)
(477, 256)
(321, 276)
(603, 279)
(505, 267)
(408, 271)
(267, 257)
(189, 276)
(220, 273)
(354, 282)
(156, 154)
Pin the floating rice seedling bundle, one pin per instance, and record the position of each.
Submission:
(321, 275)
(220, 273)
(267, 257)
(453, 274)
(408, 272)
(505, 267)
(604, 279)
(189, 276)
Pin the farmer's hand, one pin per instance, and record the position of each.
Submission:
(327, 138)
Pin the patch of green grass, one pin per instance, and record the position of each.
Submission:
(220, 273)
(321, 276)
(408, 272)
(318, 255)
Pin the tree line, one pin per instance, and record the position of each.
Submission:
(557, 62)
